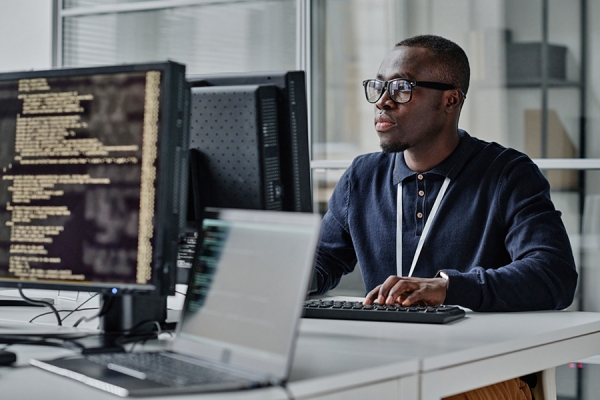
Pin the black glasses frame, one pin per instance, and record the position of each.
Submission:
(412, 83)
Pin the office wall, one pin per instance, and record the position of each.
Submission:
(25, 34)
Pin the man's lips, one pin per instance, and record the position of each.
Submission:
(383, 123)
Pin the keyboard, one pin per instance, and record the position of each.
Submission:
(355, 310)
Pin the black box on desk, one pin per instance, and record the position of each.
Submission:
(524, 62)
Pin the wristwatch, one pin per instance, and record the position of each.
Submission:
(443, 275)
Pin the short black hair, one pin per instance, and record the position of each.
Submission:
(452, 62)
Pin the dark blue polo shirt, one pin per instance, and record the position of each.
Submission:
(496, 234)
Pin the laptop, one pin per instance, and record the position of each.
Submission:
(241, 315)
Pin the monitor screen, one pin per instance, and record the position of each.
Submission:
(91, 171)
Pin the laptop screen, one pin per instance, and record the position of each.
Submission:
(251, 277)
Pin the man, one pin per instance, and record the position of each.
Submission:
(439, 216)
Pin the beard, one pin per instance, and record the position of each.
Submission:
(394, 147)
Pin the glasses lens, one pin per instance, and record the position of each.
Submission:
(400, 90)
(373, 90)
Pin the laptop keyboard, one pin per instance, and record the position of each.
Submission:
(163, 369)
(355, 310)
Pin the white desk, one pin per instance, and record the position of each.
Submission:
(479, 350)
(341, 360)
(330, 366)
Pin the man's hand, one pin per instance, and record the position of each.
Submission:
(409, 291)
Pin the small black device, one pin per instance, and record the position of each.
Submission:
(7, 358)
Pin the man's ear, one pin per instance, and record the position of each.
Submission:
(453, 100)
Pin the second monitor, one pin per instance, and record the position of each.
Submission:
(249, 148)
(235, 137)
(267, 165)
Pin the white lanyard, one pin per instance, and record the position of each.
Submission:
(434, 210)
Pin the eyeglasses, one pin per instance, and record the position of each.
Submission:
(400, 90)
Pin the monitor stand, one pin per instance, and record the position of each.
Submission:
(126, 316)
(133, 312)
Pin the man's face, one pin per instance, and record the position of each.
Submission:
(418, 122)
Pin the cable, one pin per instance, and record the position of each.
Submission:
(79, 306)
(105, 307)
(143, 337)
(40, 302)
(71, 340)
(132, 330)
(69, 311)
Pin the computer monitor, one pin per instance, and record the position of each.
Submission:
(292, 128)
(93, 186)
(249, 147)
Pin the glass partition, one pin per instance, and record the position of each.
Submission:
(210, 37)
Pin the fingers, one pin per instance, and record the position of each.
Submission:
(432, 292)
(376, 295)
(401, 289)
(393, 290)
(371, 296)
(408, 291)
(414, 298)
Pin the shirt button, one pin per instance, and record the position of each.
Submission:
(419, 215)
(420, 177)
(421, 193)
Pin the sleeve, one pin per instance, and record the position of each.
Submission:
(335, 253)
(542, 273)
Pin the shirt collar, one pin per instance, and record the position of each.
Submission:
(450, 167)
